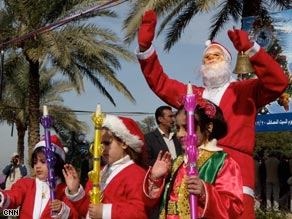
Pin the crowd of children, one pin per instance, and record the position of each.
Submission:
(130, 188)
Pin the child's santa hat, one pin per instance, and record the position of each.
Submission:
(57, 146)
(126, 129)
(208, 43)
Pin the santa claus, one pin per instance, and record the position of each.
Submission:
(239, 100)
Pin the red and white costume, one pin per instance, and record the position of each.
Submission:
(121, 185)
(239, 101)
(32, 195)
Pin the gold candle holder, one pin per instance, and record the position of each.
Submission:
(94, 174)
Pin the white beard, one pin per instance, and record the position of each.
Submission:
(216, 74)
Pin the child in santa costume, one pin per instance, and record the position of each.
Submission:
(33, 194)
(122, 177)
(218, 185)
(239, 100)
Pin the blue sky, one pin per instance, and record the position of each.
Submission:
(180, 63)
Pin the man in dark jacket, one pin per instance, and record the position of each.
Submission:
(162, 138)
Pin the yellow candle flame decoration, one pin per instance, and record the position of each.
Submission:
(94, 174)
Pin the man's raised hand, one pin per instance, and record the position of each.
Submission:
(240, 40)
(147, 30)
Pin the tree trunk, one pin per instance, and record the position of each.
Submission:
(20, 139)
(33, 107)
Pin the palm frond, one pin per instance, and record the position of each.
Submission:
(228, 9)
(179, 24)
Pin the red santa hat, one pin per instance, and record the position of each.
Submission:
(208, 43)
(126, 129)
(57, 146)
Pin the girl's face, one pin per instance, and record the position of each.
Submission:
(113, 148)
(40, 166)
(181, 130)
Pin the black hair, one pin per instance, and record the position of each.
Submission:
(59, 165)
(219, 124)
(160, 112)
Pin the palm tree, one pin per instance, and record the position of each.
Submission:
(14, 105)
(178, 14)
(14, 99)
(77, 49)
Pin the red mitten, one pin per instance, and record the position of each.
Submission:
(240, 40)
(147, 29)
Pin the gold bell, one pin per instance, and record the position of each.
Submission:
(243, 65)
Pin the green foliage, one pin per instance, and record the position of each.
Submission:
(42, 32)
(14, 104)
(271, 215)
(176, 15)
(147, 124)
(274, 141)
(78, 146)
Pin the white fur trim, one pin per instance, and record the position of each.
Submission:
(116, 125)
(253, 50)
(2, 198)
(56, 149)
(248, 191)
(146, 54)
(4, 201)
(77, 196)
(208, 43)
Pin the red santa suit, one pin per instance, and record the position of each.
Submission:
(121, 185)
(239, 101)
(32, 195)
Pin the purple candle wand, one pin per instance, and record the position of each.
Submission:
(191, 149)
(46, 121)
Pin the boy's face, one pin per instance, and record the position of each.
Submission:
(40, 166)
(114, 149)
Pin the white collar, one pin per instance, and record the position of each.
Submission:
(111, 170)
(123, 160)
(42, 188)
(211, 146)
(163, 134)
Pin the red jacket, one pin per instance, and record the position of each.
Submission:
(124, 192)
(23, 194)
